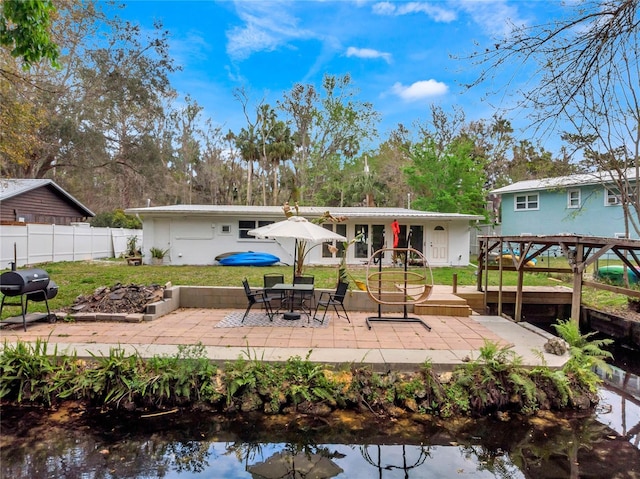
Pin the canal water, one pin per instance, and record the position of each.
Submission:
(74, 442)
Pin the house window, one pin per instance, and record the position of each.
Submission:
(573, 199)
(341, 229)
(526, 202)
(362, 247)
(225, 229)
(245, 225)
(611, 197)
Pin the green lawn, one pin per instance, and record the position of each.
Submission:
(81, 278)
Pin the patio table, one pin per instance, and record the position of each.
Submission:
(291, 290)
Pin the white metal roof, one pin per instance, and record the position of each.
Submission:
(309, 211)
(595, 178)
(10, 187)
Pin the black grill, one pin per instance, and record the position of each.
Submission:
(30, 284)
(50, 292)
(15, 283)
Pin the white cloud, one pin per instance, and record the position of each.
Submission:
(384, 8)
(368, 53)
(435, 12)
(495, 17)
(420, 90)
(268, 25)
(190, 48)
(247, 40)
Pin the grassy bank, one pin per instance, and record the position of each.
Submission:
(494, 382)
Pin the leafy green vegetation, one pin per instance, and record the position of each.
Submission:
(117, 381)
(116, 219)
(30, 373)
(587, 353)
(25, 31)
(606, 300)
(158, 253)
(449, 178)
(251, 381)
(494, 382)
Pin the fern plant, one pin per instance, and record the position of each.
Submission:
(553, 386)
(587, 353)
(494, 380)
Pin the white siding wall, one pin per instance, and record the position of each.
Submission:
(459, 243)
(197, 240)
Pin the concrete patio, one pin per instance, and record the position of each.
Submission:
(387, 345)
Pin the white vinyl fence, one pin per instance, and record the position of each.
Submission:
(482, 230)
(35, 243)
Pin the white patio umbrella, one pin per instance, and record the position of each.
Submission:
(286, 465)
(298, 228)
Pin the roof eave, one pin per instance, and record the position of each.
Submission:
(311, 212)
(48, 182)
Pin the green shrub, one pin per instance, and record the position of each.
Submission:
(29, 373)
(114, 380)
(181, 379)
(116, 219)
(494, 381)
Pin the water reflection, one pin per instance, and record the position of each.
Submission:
(620, 403)
(307, 461)
(74, 444)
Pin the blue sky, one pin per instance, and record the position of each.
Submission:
(397, 53)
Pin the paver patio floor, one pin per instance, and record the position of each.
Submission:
(450, 340)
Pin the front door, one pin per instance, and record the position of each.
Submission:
(439, 245)
(162, 236)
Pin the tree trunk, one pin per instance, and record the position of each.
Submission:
(274, 202)
(249, 180)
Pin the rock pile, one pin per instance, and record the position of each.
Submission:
(119, 298)
(556, 346)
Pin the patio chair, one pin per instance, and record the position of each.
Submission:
(333, 300)
(257, 297)
(302, 298)
(271, 279)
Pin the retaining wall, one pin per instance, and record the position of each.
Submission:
(215, 297)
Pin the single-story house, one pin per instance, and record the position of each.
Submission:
(584, 204)
(196, 234)
(39, 201)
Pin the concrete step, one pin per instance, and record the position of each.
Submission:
(442, 302)
(434, 309)
(451, 299)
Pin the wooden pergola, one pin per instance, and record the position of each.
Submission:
(579, 251)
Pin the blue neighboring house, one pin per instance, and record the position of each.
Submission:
(584, 204)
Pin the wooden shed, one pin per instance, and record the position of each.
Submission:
(39, 201)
